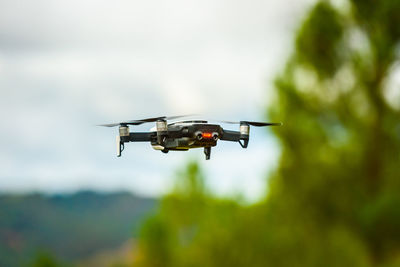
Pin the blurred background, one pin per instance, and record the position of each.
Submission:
(321, 190)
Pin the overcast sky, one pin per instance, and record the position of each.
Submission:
(66, 66)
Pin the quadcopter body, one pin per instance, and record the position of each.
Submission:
(183, 135)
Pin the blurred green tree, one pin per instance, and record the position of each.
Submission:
(45, 259)
(336, 192)
(188, 220)
(335, 197)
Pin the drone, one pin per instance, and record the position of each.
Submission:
(184, 135)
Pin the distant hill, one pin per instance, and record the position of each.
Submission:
(70, 227)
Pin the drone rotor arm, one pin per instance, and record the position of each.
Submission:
(228, 135)
(141, 136)
(262, 124)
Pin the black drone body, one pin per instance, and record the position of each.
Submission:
(183, 135)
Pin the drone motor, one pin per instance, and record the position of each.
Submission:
(244, 129)
(123, 130)
(123, 134)
(162, 131)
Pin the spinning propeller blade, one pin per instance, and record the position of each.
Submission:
(138, 122)
(254, 123)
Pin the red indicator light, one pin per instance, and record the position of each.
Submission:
(207, 135)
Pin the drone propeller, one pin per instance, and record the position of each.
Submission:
(121, 123)
(161, 118)
(254, 123)
(138, 122)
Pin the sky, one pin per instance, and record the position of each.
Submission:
(66, 66)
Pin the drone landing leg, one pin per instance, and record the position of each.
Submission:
(207, 151)
(120, 146)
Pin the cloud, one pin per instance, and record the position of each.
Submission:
(68, 65)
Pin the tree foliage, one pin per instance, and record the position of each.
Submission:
(334, 199)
